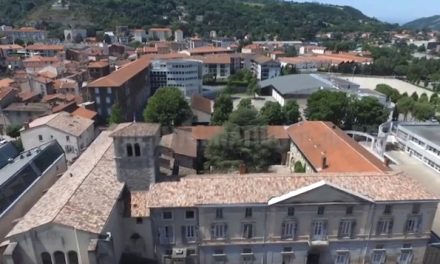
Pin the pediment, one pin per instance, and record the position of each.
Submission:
(321, 192)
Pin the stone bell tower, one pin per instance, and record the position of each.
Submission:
(136, 154)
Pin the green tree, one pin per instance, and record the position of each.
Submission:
(167, 107)
(223, 107)
(415, 96)
(392, 94)
(245, 103)
(253, 87)
(434, 98)
(115, 115)
(424, 98)
(272, 113)
(423, 111)
(19, 42)
(291, 112)
(328, 105)
(291, 51)
(405, 106)
(422, 48)
(236, 145)
(13, 130)
(369, 113)
(299, 167)
(245, 116)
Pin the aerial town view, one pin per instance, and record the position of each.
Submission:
(219, 132)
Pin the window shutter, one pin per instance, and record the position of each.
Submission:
(325, 228)
(379, 227)
(225, 230)
(390, 227)
(295, 229)
(419, 224)
(353, 229)
(406, 226)
(283, 229)
(212, 231)
(183, 229)
(341, 227)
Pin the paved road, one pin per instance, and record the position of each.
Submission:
(426, 176)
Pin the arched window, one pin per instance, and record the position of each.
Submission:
(129, 150)
(73, 257)
(59, 257)
(137, 150)
(45, 258)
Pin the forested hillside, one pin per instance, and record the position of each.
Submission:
(432, 22)
(262, 18)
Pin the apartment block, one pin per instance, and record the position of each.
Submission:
(421, 141)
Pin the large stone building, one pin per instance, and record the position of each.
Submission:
(72, 132)
(129, 87)
(100, 211)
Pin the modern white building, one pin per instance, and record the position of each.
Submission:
(184, 74)
(421, 141)
(72, 132)
(265, 68)
(178, 35)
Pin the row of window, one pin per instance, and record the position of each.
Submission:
(183, 79)
(59, 258)
(378, 256)
(346, 230)
(133, 150)
(248, 212)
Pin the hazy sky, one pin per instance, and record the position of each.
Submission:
(396, 11)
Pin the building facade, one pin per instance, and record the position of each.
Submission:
(128, 87)
(421, 141)
(184, 74)
(73, 133)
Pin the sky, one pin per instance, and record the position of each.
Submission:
(394, 11)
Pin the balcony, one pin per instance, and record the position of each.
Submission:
(318, 240)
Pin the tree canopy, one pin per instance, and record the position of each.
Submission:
(327, 105)
(115, 115)
(167, 107)
(223, 107)
(272, 113)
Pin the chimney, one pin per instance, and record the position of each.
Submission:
(242, 169)
(26, 125)
(323, 160)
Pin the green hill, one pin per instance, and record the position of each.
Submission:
(432, 22)
(262, 18)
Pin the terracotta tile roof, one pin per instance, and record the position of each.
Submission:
(304, 59)
(42, 59)
(202, 104)
(160, 29)
(48, 74)
(65, 83)
(63, 107)
(98, 64)
(167, 56)
(6, 82)
(4, 91)
(136, 130)
(278, 132)
(26, 96)
(207, 50)
(84, 197)
(121, 76)
(180, 142)
(217, 59)
(66, 122)
(209, 132)
(262, 59)
(206, 132)
(10, 47)
(86, 113)
(260, 188)
(316, 139)
(45, 47)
